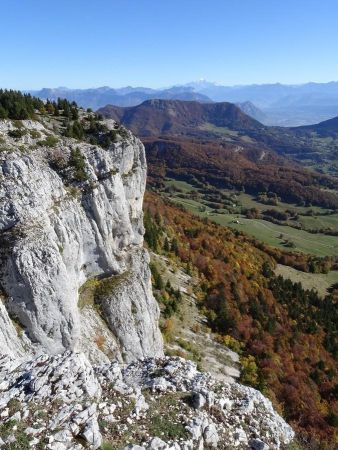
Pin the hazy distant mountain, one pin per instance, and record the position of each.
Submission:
(286, 105)
(128, 96)
(267, 95)
(328, 128)
(272, 104)
(251, 110)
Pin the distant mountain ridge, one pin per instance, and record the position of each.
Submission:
(284, 105)
(327, 128)
(274, 104)
(128, 96)
(251, 110)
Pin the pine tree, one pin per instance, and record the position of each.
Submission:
(166, 246)
(66, 110)
(3, 113)
(174, 246)
(74, 113)
(49, 107)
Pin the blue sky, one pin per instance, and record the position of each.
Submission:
(46, 43)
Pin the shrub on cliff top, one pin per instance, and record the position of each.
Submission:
(78, 162)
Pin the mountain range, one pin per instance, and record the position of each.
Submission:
(127, 96)
(272, 104)
(285, 105)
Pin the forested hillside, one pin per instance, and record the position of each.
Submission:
(225, 165)
(287, 335)
(218, 143)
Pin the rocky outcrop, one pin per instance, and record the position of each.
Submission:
(10, 343)
(57, 233)
(130, 314)
(160, 403)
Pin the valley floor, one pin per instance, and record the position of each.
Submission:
(283, 236)
(274, 234)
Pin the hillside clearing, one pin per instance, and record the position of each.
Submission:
(320, 282)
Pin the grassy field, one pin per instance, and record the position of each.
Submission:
(182, 185)
(330, 221)
(226, 133)
(222, 131)
(268, 232)
(248, 201)
(315, 221)
(317, 281)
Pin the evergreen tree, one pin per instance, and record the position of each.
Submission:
(74, 113)
(174, 246)
(66, 110)
(49, 107)
(166, 246)
(77, 161)
(3, 113)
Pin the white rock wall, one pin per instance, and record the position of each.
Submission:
(53, 238)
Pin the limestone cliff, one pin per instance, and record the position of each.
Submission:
(59, 233)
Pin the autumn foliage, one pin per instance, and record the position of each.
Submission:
(287, 334)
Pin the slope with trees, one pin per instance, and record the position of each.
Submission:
(288, 333)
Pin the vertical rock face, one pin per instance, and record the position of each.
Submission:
(10, 343)
(57, 234)
(129, 312)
